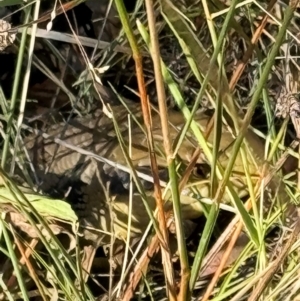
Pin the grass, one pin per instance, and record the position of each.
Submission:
(42, 249)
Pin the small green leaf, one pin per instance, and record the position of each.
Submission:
(46, 206)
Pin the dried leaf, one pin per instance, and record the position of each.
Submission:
(6, 37)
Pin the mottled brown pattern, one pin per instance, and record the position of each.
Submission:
(96, 133)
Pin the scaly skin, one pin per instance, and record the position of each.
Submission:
(96, 134)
